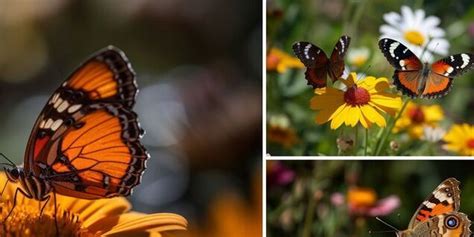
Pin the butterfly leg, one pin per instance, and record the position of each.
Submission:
(55, 213)
(14, 200)
(46, 202)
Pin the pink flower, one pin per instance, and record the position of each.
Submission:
(279, 174)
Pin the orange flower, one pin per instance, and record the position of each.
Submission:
(280, 61)
(231, 216)
(279, 131)
(81, 217)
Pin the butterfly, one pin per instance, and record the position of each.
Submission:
(318, 65)
(417, 79)
(85, 142)
(439, 214)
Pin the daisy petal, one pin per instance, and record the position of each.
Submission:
(392, 18)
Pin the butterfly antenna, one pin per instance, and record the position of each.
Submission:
(365, 71)
(6, 158)
(380, 231)
(387, 224)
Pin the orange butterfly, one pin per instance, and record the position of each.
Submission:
(86, 141)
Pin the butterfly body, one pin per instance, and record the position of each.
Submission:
(86, 141)
(439, 214)
(423, 80)
(318, 65)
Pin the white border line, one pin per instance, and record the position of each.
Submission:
(264, 118)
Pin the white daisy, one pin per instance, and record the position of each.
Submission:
(416, 31)
(433, 134)
(357, 57)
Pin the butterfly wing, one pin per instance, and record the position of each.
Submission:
(336, 62)
(444, 199)
(443, 71)
(453, 224)
(315, 61)
(86, 139)
(407, 66)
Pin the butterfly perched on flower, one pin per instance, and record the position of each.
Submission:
(439, 214)
(85, 142)
(318, 65)
(417, 79)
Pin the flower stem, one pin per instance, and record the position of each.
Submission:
(308, 220)
(366, 141)
(389, 128)
(355, 140)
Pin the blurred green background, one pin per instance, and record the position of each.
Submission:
(322, 22)
(198, 66)
(312, 198)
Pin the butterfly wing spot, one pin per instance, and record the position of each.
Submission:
(54, 98)
(56, 124)
(465, 60)
(392, 49)
(63, 106)
(48, 123)
(73, 108)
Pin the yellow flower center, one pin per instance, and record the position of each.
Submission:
(414, 37)
(416, 115)
(26, 221)
(358, 61)
(470, 143)
(356, 96)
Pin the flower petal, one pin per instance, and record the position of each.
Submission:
(371, 114)
(137, 222)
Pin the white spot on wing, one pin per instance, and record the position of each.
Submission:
(392, 48)
(41, 125)
(48, 123)
(56, 124)
(465, 60)
(63, 106)
(74, 108)
(57, 103)
(55, 97)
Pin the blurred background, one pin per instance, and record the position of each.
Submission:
(291, 129)
(199, 74)
(342, 198)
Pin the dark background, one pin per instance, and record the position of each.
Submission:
(198, 66)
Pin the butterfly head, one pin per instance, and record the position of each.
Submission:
(13, 173)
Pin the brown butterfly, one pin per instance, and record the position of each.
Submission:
(318, 65)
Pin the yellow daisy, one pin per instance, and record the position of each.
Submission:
(363, 101)
(280, 61)
(80, 217)
(460, 139)
(416, 117)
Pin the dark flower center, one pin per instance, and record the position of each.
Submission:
(416, 115)
(470, 143)
(356, 96)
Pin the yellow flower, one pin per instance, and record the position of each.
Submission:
(415, 117)
(279, 131)
(280, 61)
(460, 139)
(363, 101)
(81, 217)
